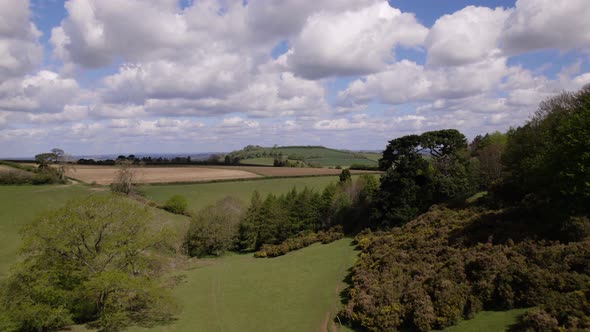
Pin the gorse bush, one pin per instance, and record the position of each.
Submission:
(300, 241)
(176, 204)
(427, 275)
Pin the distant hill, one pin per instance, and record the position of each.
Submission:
(310, 155)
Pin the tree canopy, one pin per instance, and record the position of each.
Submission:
(87, 263)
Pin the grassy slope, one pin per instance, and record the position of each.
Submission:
(204, 194)
(19, 205)
(488, 321)
(258, 161)
(295, 292)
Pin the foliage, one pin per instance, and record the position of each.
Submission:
(21, 174)
(547, 159)
(567, 311)
(345, 175)
(430, 273)
(176, 204)
(123, 182)
(276, 218)
(412, 182)
(300, 241)
(214, 230)
(87, 263)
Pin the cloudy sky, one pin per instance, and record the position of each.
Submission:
(131, 76)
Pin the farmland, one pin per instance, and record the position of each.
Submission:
(105, 174)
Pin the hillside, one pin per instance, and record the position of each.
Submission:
(311, 155)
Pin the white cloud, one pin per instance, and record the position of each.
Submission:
(466, 36)
(407, 81)
(545, 24)
(19, 50)
(353, 42)
(44, 92)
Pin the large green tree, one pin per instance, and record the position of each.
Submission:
(92, 261)
(422, 170)
(548, 159)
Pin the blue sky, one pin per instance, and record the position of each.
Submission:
(111, 76)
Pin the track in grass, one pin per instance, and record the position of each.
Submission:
(295, 292)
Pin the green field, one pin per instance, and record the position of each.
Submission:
(311, 154)
(375, 156)
(258, 161)
(200, 195)
(19, 205)
(488, 321)
(295, 292)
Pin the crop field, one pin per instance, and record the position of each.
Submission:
(105, 174)
(4, 168)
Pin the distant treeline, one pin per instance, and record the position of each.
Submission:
(214, 159)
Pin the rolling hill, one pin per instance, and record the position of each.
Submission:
(310, 155)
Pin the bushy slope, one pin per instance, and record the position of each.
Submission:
(438, 269)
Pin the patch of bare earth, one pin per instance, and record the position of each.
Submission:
(105, 174)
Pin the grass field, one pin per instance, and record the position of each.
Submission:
(488, 321)
(200, 195)
(295, 292)
(19, 205)
(258, 161)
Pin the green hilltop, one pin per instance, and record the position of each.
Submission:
(315, 156)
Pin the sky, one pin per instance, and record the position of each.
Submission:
(173, 76)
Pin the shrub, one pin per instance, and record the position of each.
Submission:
(176, 204)
(432, 272)
(214, 230)
(300, 241)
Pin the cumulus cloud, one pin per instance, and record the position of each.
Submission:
(466, 36)
(545, 24)
(45, 92)
(19, 49)
(406, 81)
(353, 42)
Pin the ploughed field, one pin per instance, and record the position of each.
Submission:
(105, 175)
